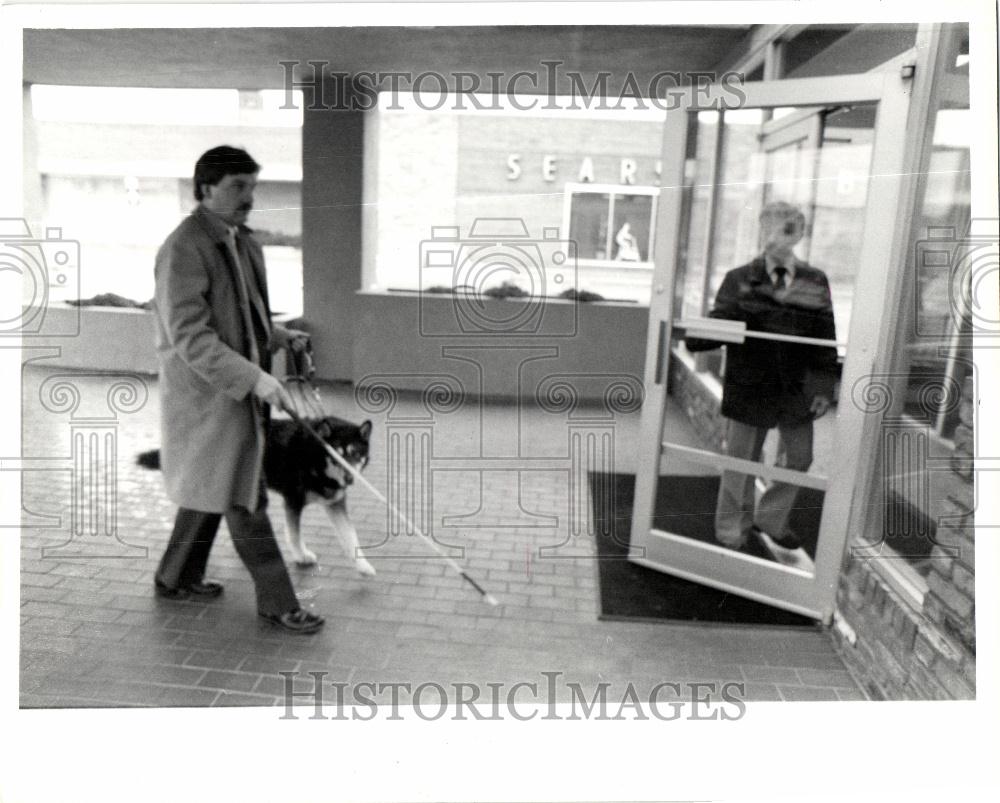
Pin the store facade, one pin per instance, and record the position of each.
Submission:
(864, 128)
(896, 582)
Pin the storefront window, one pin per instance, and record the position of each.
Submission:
(590, 175)
(588, 224)
(611, 227)
(633, 224)
(110, 182)
(933, 366)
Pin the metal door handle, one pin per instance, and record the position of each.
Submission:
(659, 352)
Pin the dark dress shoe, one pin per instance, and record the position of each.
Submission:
(170, 593)
(787, 541)
(206, 588)
(297, 621)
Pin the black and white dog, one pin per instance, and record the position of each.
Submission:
(299, 469)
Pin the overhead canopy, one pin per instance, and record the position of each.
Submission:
(249, 58)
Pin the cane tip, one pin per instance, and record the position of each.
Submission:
(491, 600)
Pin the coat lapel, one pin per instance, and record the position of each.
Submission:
(758, 272)
(226, 257)
(257, 264)
(213, 231)
(256, 278)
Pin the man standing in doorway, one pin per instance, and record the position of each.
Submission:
(214, 344)
(770, 383)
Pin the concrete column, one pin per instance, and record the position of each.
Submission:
(332, 170)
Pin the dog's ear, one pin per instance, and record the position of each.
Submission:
(365, 429)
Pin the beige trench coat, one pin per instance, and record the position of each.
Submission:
(212, 427)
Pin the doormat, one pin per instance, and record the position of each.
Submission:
(684, 505)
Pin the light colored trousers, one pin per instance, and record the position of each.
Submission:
(734, 512)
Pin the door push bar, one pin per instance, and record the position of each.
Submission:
(736, 332)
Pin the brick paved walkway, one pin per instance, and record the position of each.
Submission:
(93, 634)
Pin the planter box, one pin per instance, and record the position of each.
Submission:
(498, 348)
(501, 348)
(105, 339)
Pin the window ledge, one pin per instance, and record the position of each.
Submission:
(618, 264)
(901, 578)
(450, 297)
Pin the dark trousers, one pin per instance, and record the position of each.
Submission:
(186, 555)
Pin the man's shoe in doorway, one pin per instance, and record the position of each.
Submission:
(787, 541)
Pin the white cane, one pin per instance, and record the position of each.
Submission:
(342, 462)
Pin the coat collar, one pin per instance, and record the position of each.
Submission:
(791, 265)
(759, 269)
(215, 226)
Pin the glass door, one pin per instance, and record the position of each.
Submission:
(773, 235)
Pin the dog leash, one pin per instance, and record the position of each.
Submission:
(302, 379)
(299, 383)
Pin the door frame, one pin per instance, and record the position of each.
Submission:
(812, 594)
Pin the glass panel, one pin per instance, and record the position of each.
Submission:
(923, 434)
(708, 507)
(777, 263)
(695, 249)
(632, 218)
(838, 204)
(588, 224)
(100, 184)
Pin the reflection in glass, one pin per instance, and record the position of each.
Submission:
(632, 219)
(930, 385)
(775, 214)
(815, 158)
(589, 224)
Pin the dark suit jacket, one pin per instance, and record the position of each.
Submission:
(766, 380)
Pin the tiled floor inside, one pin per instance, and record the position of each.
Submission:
(501, 495)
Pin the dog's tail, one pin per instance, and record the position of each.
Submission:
(150, 459)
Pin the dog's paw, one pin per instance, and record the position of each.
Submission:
(364, 567)
(306, 558)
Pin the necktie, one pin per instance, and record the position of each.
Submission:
(259, 335)
(779, 278)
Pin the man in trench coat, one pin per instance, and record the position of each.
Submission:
(771, 383)
(214, 344)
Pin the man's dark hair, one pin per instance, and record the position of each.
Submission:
(219, 162)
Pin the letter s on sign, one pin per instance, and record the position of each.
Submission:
(513, 167)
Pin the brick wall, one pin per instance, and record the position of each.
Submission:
(904, 653)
